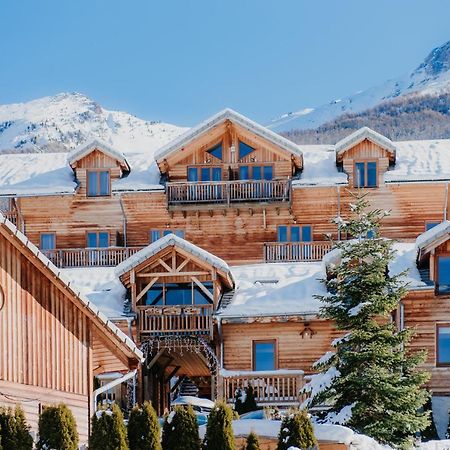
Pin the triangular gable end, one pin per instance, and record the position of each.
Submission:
(96, 145)
(107, 329)
(284, 145)
(359, 136)
(153, 252)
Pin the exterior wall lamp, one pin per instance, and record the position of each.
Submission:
(307, 332)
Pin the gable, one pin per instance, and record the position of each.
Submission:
(227, 128)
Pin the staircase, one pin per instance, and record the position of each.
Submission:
(188, 388)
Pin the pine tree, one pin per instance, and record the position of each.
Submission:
(371, 382)
(57, 429)
(430, 433)
(180, 430)
(14, 431)
(144, 432)
(219, 429)
(108, 430)
(296, 431)
(252, 442)
(244, 400)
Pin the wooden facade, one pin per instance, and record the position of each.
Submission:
(51, 344)
(235, 219)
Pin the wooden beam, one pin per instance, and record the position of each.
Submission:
(183, 264)
(166, 266)
(170, 274)
(155, 358)
(203, 288)
(172, 374)
(146, 289)
(175, 386)
(174, 259)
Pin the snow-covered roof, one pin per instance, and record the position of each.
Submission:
(171, 240)
(360, 135)
(83, 150)
(235, 117)
(276, 289)
(103, 321)
(435, 235)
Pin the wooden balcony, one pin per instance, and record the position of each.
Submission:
(228, 192)
(90, 257)
(295, 251)
(277, 387)
(169, 320)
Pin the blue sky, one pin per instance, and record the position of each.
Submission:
(182, 60)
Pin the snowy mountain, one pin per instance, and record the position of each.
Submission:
(431, 78)
(64, 121)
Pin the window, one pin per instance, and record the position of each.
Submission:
(365, 174)
(216, 151)
(178, 294)
(264, 355)
(158, 234)
(443, 275)
(244, 149)
(97, 183)
(48, 241)
(97, 239)
(204, 174)
(255, 172)
(430, 225)
(443, 345)
(294, 233)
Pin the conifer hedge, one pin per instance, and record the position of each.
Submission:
(296, 431)
(180, 430)
(252, 442)
(219, 429)
(14, 431)
(108, 430)
(144, 432)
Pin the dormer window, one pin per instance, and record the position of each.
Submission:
(365, 174)
(98, 183)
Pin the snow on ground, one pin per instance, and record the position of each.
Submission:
(334, 433)
(441, 409)
(278, 288)
(101, 287)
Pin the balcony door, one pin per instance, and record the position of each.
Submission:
(205, 192)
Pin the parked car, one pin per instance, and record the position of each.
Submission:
(201, 406)
(266, 413)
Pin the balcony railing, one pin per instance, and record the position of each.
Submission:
(166, 320)
(90, 257)
(277, 387)
(227, 192)
(295, 251)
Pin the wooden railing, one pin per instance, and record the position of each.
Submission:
(226, 192)
(90, 257)
(295, 251)
(11, 216)
(160, 320)
(278, 387)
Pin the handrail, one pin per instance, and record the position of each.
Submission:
(90, 257)
(295, 251)
(173, 319)
(226, 192)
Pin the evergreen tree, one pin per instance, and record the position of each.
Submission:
(296, 431)
(57, 429)
(144, 432)
(219, 429)
(371, 382)
(244, 400)
(430, 433)
(108, 430)
(14, 431)
(252, 442)
(180, 430)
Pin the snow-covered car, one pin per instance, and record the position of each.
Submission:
(264, 414)
(202, 405)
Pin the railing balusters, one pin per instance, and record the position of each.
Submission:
(295, 251)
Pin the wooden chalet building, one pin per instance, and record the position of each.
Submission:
(208, 252)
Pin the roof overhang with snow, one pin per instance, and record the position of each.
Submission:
(145, 255)
(433, 238)
(83, 150)
(236, 118)
(108, 329)
(359, 136)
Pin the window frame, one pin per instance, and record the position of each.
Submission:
(436, 271)
(429, 222)
(275, 353)
(193, 286)
(98, 171)
(365, 162)
(48, 234)
(250, 167)
(289, 239)
(214, 147)
(240, 158)
(437, 362)
(162, 230)
(97, 232)
(199, 168)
